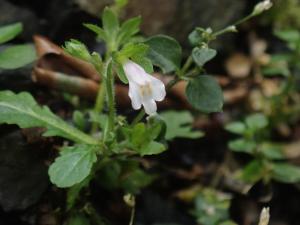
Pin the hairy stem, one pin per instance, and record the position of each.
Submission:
(110, 97)
(99, 104)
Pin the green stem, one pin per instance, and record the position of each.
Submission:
(110, 97)
(99, 104)
(227, 29)
(186, 66)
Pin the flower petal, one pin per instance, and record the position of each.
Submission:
(158, 89)
(135, 73)
(150, 106)
(134, 95)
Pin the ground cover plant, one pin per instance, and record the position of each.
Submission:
(127, 111)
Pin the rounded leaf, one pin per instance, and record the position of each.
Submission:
(205, 94)
(165, 52)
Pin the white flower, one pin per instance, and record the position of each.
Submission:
(144, 89)
(262, 6)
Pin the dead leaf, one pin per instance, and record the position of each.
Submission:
(52, 57)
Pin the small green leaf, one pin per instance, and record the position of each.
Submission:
(286, 173)
(73, 166)
(242, 145)
(288, 35)
(133, 50)
(98, 118)
(17, 56)
(257, 121)
(195, 38)
(110, 22)
(211, 207)
(205, 94)
(203, 55)
(119, 4)
(138, 135)
(156, 128)
(145, 63)
(98, 30)
(141, 138)
(78, 119)
(9, 32)
(179, 124)
(236, 127)
(121, 73)
(153, 148)
(77, 49)
(272, 151)
(21, 109)
(165, 52)
(128, 29)
(253, 172)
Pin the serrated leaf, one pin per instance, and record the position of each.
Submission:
(9, 32)
(110, 22)
(286, 173)
(98, 30)
(203, 55)
(133, 50)
(236, 127)
(165, 52)
(77, 49)
(128, 29)
(21, 109)
(141, 138)
(17, 56)
(205, 94)
(73, 166)
(179, 124)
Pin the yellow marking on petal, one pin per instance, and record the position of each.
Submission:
(145, 90)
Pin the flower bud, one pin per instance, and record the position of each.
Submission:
(264, 216)
(261, 7)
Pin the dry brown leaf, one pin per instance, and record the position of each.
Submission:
(52, 57)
